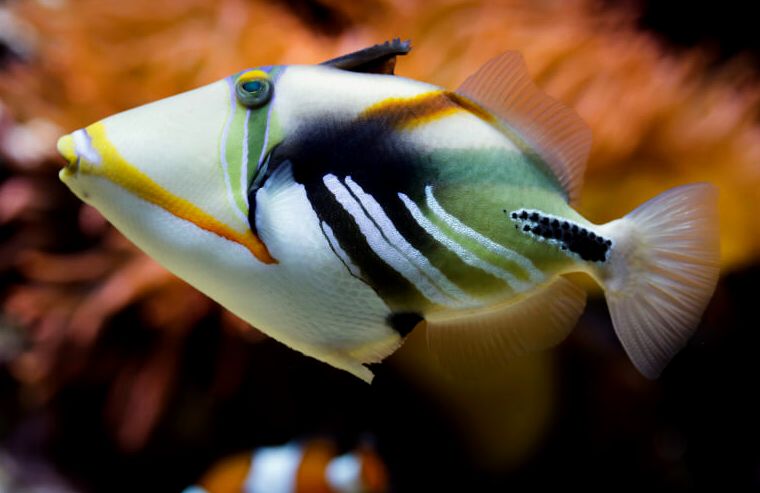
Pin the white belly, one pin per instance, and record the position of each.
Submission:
(309, 300)
(316, 290)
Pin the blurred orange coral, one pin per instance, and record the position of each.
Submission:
(658, 120)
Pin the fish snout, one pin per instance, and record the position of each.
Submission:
(67, 149)
(78, 150)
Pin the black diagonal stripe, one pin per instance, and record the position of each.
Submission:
(383, 163)
(342, 149)
(446, 261)
(387, 282)
(349, 268)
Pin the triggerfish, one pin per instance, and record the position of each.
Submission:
(338, 206)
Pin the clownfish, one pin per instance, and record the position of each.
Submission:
(297, 467)
(338, 206)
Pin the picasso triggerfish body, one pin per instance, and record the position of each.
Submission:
(338, 206)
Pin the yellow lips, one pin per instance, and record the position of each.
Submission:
(67, 149)
(119, 171)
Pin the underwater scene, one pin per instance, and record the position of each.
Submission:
(388, 246)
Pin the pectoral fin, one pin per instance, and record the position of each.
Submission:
(473, 343)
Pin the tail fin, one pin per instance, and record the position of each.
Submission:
(662, 272)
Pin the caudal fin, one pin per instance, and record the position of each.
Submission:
(662, 272)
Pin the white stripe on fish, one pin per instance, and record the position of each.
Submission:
(396, 239)
(534, 273)
(381, 247)
(342, 255)
(464, 254)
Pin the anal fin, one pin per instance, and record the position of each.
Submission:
(472, 343)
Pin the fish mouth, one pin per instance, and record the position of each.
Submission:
(74, 147)
(67, 149)
(91, 154)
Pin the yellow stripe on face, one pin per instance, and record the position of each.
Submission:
(119, 171)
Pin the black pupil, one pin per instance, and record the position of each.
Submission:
(253, 86)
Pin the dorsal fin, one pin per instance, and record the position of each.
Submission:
(377, 59)
(472, 344)
(551, 129)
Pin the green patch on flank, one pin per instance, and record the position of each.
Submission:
(480, 187)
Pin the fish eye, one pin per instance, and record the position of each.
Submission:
(254, 93)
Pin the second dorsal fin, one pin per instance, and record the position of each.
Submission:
(551, 129)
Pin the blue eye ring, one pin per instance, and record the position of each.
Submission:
(254, 93)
